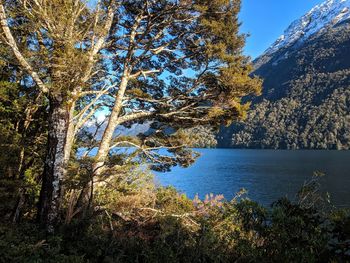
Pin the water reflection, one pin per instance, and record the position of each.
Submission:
(266, 174)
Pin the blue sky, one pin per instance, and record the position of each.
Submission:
(265, 20)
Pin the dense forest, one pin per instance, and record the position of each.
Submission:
(306, 97)
(73, 188)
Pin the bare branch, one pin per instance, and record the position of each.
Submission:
(144, 73)
(92, 103)
(134, 116)
(13, 45)
(96, 47)
(83, 119)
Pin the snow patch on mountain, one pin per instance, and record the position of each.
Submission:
(329, 13)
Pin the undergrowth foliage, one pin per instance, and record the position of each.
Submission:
(139, 222)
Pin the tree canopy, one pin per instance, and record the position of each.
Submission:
(170, 65)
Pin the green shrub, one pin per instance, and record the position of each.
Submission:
(149, 224)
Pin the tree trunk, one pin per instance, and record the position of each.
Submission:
(107, 137)
(55, 165)
(86, 195)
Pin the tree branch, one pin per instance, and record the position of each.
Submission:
(144, 73)
(96, 47)
(13, 45)
(134, 116)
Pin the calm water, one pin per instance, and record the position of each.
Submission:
(266, 174)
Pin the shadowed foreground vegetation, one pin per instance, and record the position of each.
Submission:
(139, 222)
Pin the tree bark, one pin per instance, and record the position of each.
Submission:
(107, 137)
(55, 165)
(71, 132)
(86, 195)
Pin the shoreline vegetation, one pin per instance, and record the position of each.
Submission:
(143, 223)
(206, 138)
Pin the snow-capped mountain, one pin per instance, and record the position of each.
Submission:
(305, 102)
(329, 13)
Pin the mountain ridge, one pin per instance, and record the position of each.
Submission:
(305, 103)
(330, 12)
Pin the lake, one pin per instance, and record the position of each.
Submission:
(266, 174)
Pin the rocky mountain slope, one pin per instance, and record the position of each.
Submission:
(306, 97)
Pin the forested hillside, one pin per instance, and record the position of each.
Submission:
(306, 96)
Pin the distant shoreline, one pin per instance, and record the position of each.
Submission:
(271, 149)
